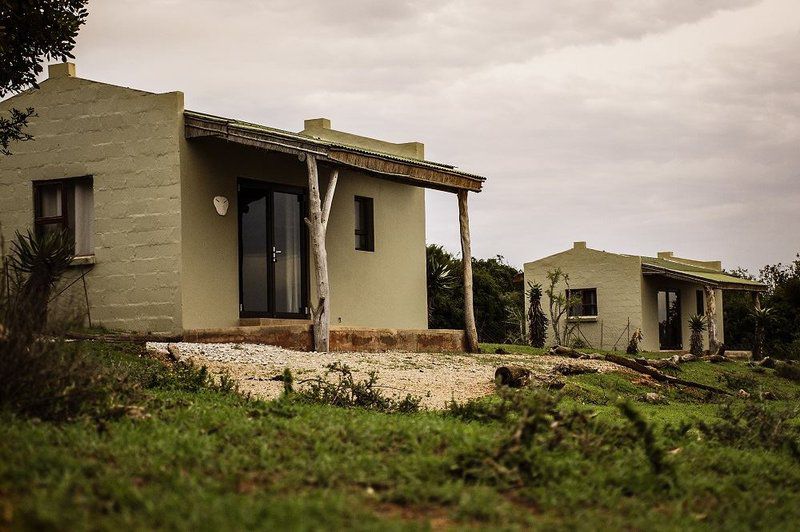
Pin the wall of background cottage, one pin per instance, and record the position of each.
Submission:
(128, 141)
(618, 282)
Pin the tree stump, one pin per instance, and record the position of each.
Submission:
(512, 376)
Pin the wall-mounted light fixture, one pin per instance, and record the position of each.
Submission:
(221, 205)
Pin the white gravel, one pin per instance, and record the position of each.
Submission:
(436, 377)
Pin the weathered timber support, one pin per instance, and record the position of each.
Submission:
(470, 330)
(758, 338)
(317, 222)
(711, 318)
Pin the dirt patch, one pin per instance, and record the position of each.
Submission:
(436, 377)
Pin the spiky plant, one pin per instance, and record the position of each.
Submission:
(697, 324)
(37, 262)
(441, 278)
(761, 316)
(537, 321)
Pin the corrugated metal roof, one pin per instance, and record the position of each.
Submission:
(700, 273)
(329, 144)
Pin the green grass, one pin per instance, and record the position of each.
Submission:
(208, 459)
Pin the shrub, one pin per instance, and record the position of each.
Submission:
(345, 391)
(43, 377)
(540, 442)
(483, 409)
(788, 370)
(57, 381)
(751, 425)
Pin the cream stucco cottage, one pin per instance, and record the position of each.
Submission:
(621, 293)
(187, 222)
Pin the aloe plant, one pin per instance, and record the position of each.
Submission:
(38, 260)
(697, 324)
(762, 316)
(537, 321)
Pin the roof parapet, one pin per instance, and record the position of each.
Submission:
(61, 70)
(579, 245)
(665, 254)
(321, 128)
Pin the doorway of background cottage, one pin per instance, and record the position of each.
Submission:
(273, 250)
(669, 320)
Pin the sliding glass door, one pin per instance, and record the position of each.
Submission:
(273, 258)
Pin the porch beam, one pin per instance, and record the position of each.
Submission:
(470, 330)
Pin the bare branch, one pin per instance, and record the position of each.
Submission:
(326, 208)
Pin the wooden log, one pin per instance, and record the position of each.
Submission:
(470, 330)
(317, 222)
(657, 375)
(513, 376)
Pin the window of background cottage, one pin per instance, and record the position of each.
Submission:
(587, 305)
(365, 228)
(66, 204)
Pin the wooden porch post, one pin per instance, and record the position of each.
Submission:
(711, 318)
(466, 260)
(758, 344)
(317, 222)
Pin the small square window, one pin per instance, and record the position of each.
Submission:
(587, 302)
(66, 204)
(365, 228)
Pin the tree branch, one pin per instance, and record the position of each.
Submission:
(326, 208)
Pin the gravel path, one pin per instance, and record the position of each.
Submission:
(436, 377)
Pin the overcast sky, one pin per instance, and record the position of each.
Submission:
(638, 126)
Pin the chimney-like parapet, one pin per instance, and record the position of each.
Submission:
(61, 70)
(321, 128)
(665, 254)
(579, 245)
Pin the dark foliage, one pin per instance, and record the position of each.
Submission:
(788, 371)
(36, 264)
(347, 392)
(32, 31)
(496, 297)
(781, 330)
(44, 377)
(12, 128)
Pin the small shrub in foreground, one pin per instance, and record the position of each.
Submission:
(749, 425)
(345, 391)
(541, 442)
(58, 381)
(788, 370)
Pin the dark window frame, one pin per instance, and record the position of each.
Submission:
(67, 186)
(365, 237)
(39, 221)
(700, 302)
(581, 310)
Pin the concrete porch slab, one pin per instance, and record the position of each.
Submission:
(343, 339)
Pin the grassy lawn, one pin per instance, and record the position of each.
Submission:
(203, 458)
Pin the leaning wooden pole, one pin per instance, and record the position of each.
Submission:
(466, 260)
(317, 222)
(711, 318)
